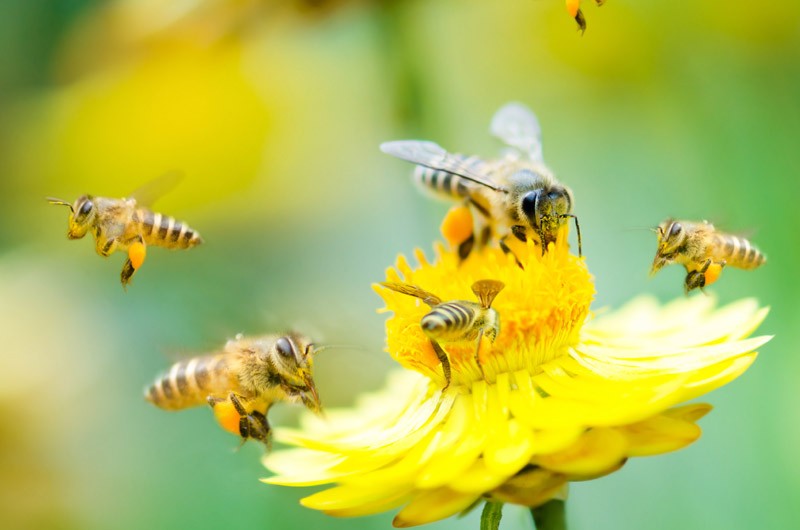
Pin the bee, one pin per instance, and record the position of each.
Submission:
(574, 9)
(242, 382)
(126, 224)
(516, 195)
(457, 320)
(703, 250)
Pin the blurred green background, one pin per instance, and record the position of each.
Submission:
(274, 111)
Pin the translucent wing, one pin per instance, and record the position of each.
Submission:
(412, 290)
(151, 191)
(486, 291)
(434, 156)
(518, 127)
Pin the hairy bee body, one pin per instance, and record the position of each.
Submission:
(701, 248)
(444, 184)
(120, 222)
(515, 195)
(245, 379)
(460, 320)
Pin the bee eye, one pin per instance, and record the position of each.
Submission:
(529, 202)
(85, 208)
(284, 347)
(675, 230)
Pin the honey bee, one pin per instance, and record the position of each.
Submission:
(242, 382)
(703, 250)
(126, 224)
(574, 9)
(516, 195)
(457, 320)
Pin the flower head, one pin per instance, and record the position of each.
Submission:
(556, 398)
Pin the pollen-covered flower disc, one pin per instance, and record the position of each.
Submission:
(559, 399)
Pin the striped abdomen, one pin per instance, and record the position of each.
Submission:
(188, 383)
(164, 231)
(444, 184)
(451, 321)
(737, 252)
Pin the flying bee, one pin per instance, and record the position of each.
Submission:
(127, 224)
(242, 382)
(703, 251)
(515, 195)
(457, 320)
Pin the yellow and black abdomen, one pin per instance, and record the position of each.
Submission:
(165, 231)
(451, 321)
(188, 383)
(443, 183)
(737, 252)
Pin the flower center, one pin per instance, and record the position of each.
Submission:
(537, 316)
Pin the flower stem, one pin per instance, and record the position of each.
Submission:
(491, 515)
(550, 516)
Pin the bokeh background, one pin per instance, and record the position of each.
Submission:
(274, 111)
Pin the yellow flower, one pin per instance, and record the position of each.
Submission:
(560, 398)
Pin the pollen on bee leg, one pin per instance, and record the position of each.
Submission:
(226, 414)
(572, 7)
(457, 225)
(712, 273)
(137, 253)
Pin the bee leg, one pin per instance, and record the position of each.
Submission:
(126, 274)
(251, 424)
(105, 247)
(477, 353)
(465, 247)
(137, 252)
(506, 250)
(581, 20)
(440, 353)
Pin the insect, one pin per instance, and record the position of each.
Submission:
(574, 9)
(242, 382)
(516, 195)
(127, 224)
(703, 250)
(457, 320)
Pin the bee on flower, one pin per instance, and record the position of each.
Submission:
(561, 397)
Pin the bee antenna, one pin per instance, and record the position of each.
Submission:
(315, 350)
(577, 232)
(53, 200)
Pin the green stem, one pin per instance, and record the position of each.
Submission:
(550, 516)
(492, 513)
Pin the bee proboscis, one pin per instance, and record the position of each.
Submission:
(127, 224)
(457, 320)
(703, 251)
(515, 195)
(242, 382)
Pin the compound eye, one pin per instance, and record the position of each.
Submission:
(529, 204)
(284, 348)
(85, 208)
(675, 230)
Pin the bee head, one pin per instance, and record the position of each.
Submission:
(81, 215)
(671, 235)
(292, 357)
(546, 210)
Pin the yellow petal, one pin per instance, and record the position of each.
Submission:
(433, 505)
(595, 453)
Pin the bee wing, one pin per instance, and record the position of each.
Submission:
(486, 291)
(412, 290)
(151, 191)
(434, 156)
(518, 127)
